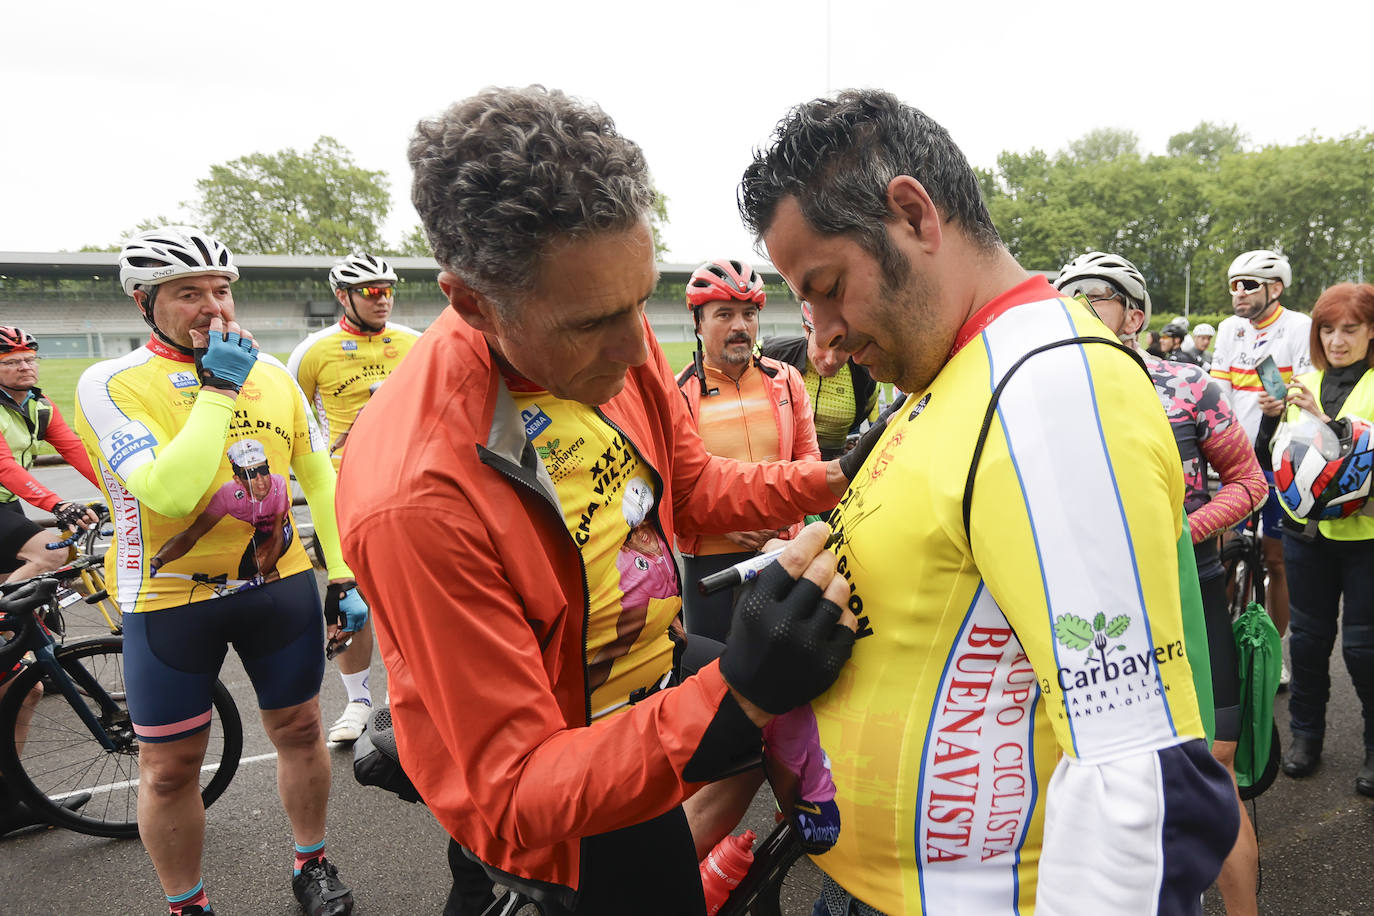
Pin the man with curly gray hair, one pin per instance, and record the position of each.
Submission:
(529, 652)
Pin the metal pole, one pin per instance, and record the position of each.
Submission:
(1187, 286)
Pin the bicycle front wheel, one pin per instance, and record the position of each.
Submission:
(57, 756)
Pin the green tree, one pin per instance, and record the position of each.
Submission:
(414, 244)
(657, 221)
(317, 202)
(1182, 217)
(1207, 142)
(1103, 144)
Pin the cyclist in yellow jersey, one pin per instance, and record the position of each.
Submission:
(338, 368)
(843, 395)
(196, 426)
(1019, 731)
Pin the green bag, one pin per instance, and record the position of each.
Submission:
(1260, 657)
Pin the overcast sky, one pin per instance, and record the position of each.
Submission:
(113, 111)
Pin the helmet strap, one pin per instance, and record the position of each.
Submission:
(147, 309)
(699, 358)
(356, 318)
(1269, 303)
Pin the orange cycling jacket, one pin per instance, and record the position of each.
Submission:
(791, 415)
(480, 602)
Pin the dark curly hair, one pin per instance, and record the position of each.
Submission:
(502, 174)
(837, 156)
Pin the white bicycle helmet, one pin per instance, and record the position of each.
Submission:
(1116, 270)
(360, 267)
(1262, 264)
(247, 453)
(158, 255)
(1204, 330)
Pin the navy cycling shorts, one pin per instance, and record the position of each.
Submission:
(172, 657)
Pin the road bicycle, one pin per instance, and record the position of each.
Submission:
(1242, 556)
(65, 728)
(84, 607)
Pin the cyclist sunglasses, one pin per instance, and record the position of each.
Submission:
(1245, 284)
(374, 292)
(260, 470)
(1084, 291)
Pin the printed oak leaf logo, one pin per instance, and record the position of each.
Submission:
(1077, 633)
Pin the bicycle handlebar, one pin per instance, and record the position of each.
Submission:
(65, 542)
(102, 515)
(18, 614)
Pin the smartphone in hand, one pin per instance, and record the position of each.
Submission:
(1272, 379)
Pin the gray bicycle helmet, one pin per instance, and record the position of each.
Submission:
(1262, 264)
(1116, 270)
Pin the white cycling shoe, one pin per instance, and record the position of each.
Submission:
(349, 726)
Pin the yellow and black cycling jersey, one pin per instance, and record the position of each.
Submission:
(339, 367)
(215, 501)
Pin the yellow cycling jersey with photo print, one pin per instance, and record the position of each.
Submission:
(1055, 629)
(609, 501)
(241, 531)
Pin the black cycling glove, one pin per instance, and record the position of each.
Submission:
(69, 514)
(226, 361)
(786, 644)
(852, 460)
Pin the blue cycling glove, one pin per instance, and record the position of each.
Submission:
(819, 825)
(344, 604)
(226, 361)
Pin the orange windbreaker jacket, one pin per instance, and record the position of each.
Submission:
(479, 597)
(792, 415)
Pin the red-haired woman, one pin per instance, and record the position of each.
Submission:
(1334, 560)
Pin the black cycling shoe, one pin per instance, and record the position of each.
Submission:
(1302, 757)
(320, 891)
(20, 815)
(1364, 780)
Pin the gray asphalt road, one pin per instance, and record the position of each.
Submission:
(1316, 838)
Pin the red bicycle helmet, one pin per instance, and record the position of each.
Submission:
(808, 316)
(721, 281)
(13, 339)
